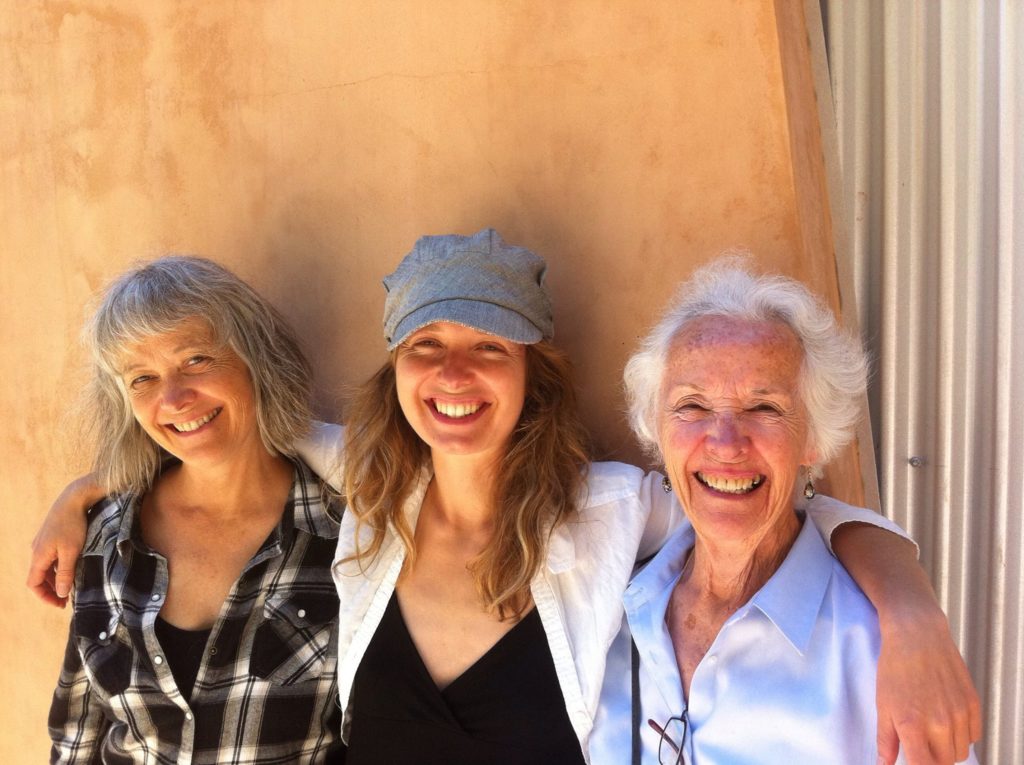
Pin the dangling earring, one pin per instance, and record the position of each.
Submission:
(666, 484)
(809, 491)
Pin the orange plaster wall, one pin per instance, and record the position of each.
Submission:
(307, 144)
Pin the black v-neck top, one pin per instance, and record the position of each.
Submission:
(505, 709)
(183, 651)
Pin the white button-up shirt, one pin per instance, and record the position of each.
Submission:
(790, 678)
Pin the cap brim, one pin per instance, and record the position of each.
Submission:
(490, 318)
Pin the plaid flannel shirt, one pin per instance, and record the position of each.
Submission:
(266, 690)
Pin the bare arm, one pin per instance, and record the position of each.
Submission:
(60, 539)
(926, 700)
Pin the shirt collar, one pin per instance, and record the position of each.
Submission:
(129, 532)
(662, 570)
(792, 598)
(315, 510)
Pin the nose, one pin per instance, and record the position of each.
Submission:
(177, 395)
(456, 370)
(726, 439)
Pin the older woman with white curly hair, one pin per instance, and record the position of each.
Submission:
(743, 640)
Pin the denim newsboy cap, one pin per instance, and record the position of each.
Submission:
(478, 281)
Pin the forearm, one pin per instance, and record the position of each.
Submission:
(927, 703)
(885, 567)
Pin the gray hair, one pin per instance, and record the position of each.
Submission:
(156, 297)
(834, 368)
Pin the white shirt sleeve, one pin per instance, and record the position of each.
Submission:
(828, 514)
(322, 450)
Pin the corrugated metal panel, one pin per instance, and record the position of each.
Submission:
(929, 100)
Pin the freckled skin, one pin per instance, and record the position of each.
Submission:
(730, 408)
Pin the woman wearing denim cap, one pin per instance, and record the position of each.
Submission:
(743, 621)
(481, 566)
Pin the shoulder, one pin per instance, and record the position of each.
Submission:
(849, 609)
(608, 481)
(105, 520)
(612, 512)
(317, 507)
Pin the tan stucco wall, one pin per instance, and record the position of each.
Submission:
(307, 144)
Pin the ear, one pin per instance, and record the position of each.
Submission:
(810, 456)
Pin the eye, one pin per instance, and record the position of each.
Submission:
(766, 411)
(492, 347)
(138, 382)
(689, 410)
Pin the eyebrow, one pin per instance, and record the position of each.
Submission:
(693, 387)
(186, 346)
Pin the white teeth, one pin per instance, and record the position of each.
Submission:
(188, 427)
(730, 485)
(455, 411)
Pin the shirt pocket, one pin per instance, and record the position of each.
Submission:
(295, 639)
(106, 649)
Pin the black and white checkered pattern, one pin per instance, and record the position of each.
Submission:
(266, 690)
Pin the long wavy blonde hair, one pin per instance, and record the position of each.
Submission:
(538, 488)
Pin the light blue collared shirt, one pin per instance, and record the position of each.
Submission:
(790, 678)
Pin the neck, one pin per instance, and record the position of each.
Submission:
(731, 573)
(462, 491)
(233, 488)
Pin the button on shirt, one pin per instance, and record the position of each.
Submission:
(790, 678)
(266, 691)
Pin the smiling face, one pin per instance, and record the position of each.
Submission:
(461, 390)
(732, 429)
(192, 395)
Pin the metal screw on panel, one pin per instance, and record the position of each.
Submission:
(916, 461)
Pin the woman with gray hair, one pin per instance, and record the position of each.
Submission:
(743, 639)
(204, 611)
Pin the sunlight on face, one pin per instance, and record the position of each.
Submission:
(460, 389)
(732, 428)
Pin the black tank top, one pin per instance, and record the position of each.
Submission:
(183, 651)
(505, 709)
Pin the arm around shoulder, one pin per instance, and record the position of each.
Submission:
(60, 539)
(926, 700)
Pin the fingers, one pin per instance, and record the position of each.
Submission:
(64, 576)
(41, 582)
(916, 750)
(939, 741)
(51, 572)
(975, 726)
(888, 743)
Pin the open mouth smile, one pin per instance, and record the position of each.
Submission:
(464, 412)
(730, 485)
(194, 425)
